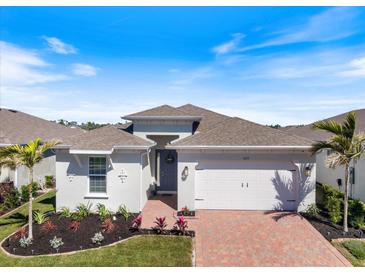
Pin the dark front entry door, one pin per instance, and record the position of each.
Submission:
(168, 170)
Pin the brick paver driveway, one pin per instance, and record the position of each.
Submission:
(252, 238)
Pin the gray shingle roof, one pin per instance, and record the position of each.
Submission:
(240, 132)
(161, 111)
(105, 138)
(17, 127)
(320, 135)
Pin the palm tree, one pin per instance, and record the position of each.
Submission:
(27, 155)
(345, 145)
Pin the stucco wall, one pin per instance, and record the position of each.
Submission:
(167, 127)
(72, 181)
(186, 188)
(329, 176)
(7, 174)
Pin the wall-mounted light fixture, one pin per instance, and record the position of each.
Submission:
(308, 171)
(185, 173)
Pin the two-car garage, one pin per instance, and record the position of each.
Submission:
(246, 185)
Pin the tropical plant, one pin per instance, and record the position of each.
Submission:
(74, 225)
(346, 146)
(84, 210)
(28, 155)
(122, 210)
(137, 222)
(65, 212)
(312, 210)
(357, 214)
(98, 238)
(48, 226)
(22, 232)
(181, 225)
(161, 224)
(108, 226)
(103, 212)
(25, 242)
(39, 217)
(334, 209)
(12, 199)
(56, 242)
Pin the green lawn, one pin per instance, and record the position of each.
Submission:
(353, 250)
(142, 251)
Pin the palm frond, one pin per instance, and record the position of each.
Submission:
(330, 126)
(349, 125)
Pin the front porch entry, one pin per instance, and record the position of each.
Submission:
(167, 170)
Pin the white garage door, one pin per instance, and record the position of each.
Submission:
(245, 185)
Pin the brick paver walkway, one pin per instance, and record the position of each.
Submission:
(251, 238)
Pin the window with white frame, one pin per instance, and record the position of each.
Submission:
(97, 175)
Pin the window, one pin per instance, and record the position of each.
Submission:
(97, 174)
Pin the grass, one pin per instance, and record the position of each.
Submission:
(353, 250)
(142, 251)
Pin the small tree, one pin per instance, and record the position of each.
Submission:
(346, 146)
(27, 155)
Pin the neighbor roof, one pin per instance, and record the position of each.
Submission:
(319, 135)
(106, 138)
(239, 132)
(164, 111)
(17, 127)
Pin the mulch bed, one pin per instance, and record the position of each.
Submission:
(80, 239)
(332, 231)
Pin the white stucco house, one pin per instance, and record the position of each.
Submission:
(208, 160)
(336, 177)
(17, 127)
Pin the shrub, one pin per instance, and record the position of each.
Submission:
(137, 222)
(39, 217)
(48, 226)
(75, 216)
(356, 214)
(24, 191)
(98, 238)
(181, 225)
(84, 210)
(65, 212)
(50, 181)
(5, 188)
(330, 192)
(12, 199)
(160, 224)
(103, 212)
(74, 225)
(108, 225)
(312, 210)
(356, 248)
(56, 242)
(22, 232)
(25, 242)
(122, 210)
(334, 209)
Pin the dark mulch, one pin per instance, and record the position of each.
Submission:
(332, 231)
(81, 239)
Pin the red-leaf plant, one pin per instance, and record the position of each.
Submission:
(108, 226)
(181, 225)
(74, 225)
(48, 226)
(160, 224)
(137, 222)
(185, 211)
(22, 232)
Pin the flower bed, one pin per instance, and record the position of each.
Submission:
(60, 234)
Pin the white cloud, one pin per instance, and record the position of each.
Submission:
(356, 68)
(84, 69)
(60, 47)
(332, 24)
(230, 45)
(20, 67)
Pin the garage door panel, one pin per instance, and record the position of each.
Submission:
(268, 186)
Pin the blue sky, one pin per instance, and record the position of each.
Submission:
(287, 65)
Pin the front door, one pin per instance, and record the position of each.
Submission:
(168, 170)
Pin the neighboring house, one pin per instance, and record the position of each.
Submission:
(18, 128)
(336, 177)
(209, 160)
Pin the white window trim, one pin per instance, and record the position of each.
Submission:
(89, 194)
